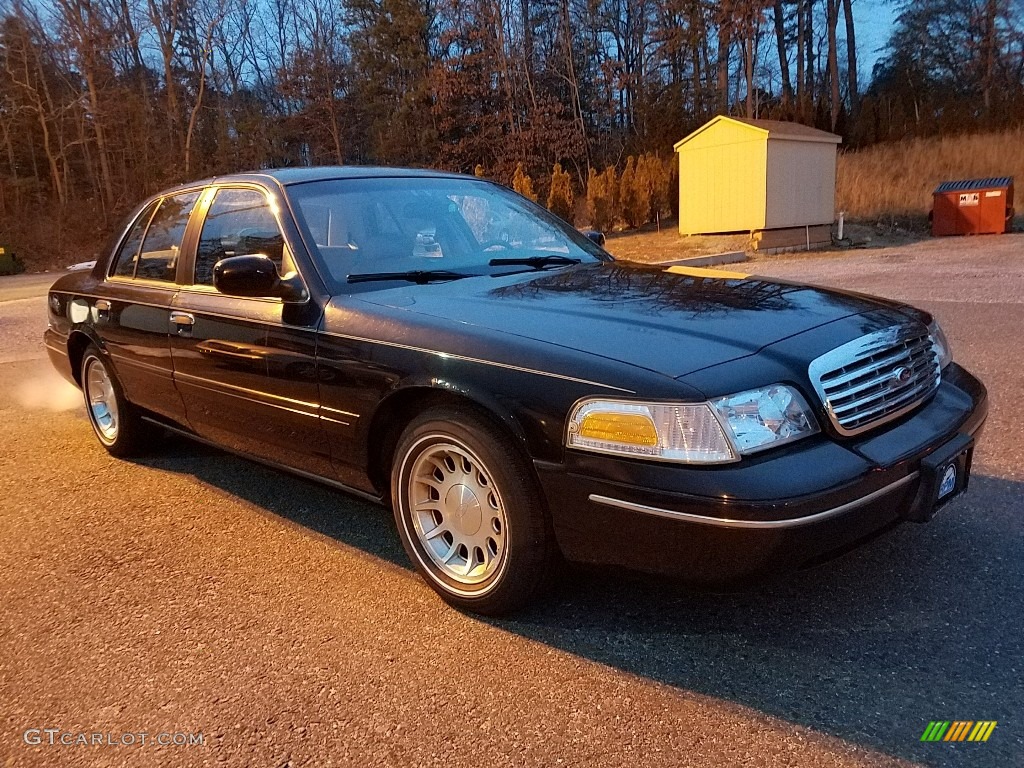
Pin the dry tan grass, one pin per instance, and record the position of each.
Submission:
(648, 245)
(897, 179)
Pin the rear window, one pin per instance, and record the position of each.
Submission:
(128, 254)
(158, 259)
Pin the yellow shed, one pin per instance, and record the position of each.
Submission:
(774, 179)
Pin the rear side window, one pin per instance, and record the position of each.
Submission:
(158, 259)
(239, 223)
(128, 254)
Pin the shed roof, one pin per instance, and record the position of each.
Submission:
(974, 184)
(772, 129)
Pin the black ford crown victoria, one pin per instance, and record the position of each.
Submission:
(441, 343)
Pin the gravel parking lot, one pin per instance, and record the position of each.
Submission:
(196, 593)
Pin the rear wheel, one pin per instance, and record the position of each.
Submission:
(114, 420)
(469, 512)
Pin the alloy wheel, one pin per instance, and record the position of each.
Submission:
(457, 513)
(101, 400)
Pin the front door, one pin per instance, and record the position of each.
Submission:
(246, 367)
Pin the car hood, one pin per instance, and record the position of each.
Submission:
(673, 321)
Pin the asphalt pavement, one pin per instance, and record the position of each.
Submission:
(196, 593)
(15, 287)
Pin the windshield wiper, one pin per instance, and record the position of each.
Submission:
(419, 276)
(537, 262)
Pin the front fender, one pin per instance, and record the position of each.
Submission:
(422, 387)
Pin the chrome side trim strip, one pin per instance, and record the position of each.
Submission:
(335, 421)
(252, 395)
(725, 522)
(463, 358)
(339, 412)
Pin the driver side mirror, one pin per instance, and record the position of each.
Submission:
(256, 276)
(597, 237)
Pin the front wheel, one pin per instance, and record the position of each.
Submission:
(469, 512)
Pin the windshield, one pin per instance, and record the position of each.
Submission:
(397, 225)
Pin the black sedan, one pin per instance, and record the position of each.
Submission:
(441, 344)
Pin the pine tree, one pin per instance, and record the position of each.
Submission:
(597, 201)
(629, 196)
(657, 174)
(523, 184)
(603, 192)
(560, 196)
(642, 185)
(611, 186)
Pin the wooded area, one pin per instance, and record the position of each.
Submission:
(104, 101)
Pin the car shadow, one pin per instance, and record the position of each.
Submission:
(318, 507)
(922, 624)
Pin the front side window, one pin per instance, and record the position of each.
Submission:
(364, 226)
(158, 259)
(128, 254)
(239, 223)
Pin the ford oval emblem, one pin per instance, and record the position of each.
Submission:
(900, 377)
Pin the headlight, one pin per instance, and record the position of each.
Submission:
(687, 433)
(939, 344)
(763, 418)
(692, 433)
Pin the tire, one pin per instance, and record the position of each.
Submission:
(115, 421)
(469, 512)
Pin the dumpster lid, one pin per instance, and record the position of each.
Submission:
(970, 184)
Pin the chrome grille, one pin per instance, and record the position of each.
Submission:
(876, 378)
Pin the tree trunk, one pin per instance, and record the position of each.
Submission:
(701, 68)
(101, 139)
(988, 55)
(570, 65)
(832, 20)
(809, 72)
(780, 40)
(749, 71)
(851, 58)
(133, 38)
(35, 88)
(722, 65)
(528, 53)
(166, 30)
(801, 60)
(194, 115)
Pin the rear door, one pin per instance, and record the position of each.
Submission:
(133, 314)
(246, 367)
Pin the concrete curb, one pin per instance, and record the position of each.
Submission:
(713, 260)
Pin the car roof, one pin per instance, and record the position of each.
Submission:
(287, 176)
(327, 172)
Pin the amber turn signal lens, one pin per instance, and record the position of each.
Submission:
(628, 428)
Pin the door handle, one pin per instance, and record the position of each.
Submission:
(182, 322)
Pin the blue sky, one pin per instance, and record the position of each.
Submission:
(873, 20)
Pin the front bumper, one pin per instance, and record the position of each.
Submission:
(772, 512)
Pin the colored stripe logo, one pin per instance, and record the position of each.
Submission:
(958, 730)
